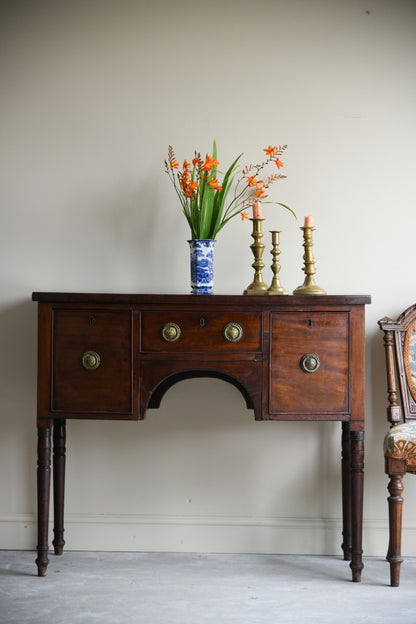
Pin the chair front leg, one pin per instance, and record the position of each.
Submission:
(396, 469)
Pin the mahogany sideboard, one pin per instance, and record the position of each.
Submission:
(113, 356)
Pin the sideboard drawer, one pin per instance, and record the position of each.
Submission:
(309, 362)
(92, 361)
(200, 331)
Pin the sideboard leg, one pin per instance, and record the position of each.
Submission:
(357, 484)
(346, 491)
(43, 484)
(59, 438)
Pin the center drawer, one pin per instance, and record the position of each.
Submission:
(200, 331)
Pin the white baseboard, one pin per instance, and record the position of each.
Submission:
(316, 536)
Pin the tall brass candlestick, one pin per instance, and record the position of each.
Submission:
(276, 288)
(257, 286)
(309, 287)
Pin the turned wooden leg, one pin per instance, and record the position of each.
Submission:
(44, 480)
(396, 469)
(59, 437)
(346, 491)
(357, 483)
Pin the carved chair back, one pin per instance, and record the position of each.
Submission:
(400, 351)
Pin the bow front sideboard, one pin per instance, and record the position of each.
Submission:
(113, 356)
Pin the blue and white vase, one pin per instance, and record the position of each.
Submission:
(202, 266)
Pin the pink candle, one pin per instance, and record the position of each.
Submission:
(308, 221)
(257, 211)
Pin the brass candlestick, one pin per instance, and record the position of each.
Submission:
(309, 287)
(275, 287)
(257, 286)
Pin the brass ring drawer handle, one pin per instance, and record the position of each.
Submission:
(171, 332)
(90, 360)
(310, 363)
(233, 332)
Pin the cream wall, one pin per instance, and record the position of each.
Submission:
(92, 93)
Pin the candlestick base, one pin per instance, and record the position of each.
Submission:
(309, 288)
(276, 290)
(256, 289)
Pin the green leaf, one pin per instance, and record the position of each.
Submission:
(205, 213)
(287, 208)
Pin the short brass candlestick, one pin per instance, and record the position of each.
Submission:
(275, 287)
(309, 287)
(257, 286)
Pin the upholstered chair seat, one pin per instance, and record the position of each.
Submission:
(400, 443)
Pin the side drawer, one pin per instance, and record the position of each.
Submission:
(294, 336)
(200, 332)
(81, 382)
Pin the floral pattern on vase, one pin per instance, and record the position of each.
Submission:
(202, 266)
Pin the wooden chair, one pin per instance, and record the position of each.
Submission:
(400, 441)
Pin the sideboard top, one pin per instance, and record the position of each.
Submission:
(205, 300)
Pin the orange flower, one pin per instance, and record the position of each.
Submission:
(185, 165)
(244, 215)
(209, 163)
(215, 184)
(187, 186)
(270, 151)
(278, 163)
(195, 162)
(253, 182)
(259, 192)
(174, 164)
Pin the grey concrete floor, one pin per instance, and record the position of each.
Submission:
(159, 588)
